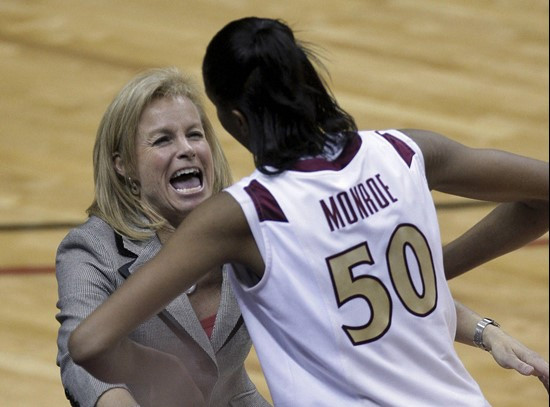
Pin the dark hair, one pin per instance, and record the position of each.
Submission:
(257, 66)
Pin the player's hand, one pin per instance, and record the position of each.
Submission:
(512, 354)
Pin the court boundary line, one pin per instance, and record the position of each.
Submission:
(36, 270)
(36, 226)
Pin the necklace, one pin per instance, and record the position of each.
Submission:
(191, 289)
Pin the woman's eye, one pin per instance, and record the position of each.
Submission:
(160, 140)
(196, 134)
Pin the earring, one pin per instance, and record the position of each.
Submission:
(134, 188)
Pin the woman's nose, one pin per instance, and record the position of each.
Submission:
(185, 148)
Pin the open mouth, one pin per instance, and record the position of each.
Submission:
(187, 180)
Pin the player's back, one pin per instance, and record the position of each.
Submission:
(353, 308)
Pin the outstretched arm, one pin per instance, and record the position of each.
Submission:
(508, 227)
(215, 233)
(520, 184)
(506, 350)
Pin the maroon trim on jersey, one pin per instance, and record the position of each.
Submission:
(266, 205)
(319, 164)
(402, 148)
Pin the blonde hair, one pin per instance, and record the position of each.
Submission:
(113, 200)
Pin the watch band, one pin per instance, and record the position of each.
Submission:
(480, 327)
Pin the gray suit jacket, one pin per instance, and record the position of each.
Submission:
(92, 261)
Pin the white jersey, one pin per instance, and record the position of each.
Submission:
(353, 308)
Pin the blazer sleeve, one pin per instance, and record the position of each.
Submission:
(86, 276)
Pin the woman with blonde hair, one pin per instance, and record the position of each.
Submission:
(155, 158)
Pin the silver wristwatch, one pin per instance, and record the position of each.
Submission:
(480, 327)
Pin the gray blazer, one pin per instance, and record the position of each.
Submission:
(92, 261)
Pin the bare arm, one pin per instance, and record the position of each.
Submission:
(117, 397)
(213, 234)
(519, 183)
(158, 378)
(507, 351)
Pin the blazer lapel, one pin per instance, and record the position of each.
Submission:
(179, 314)
(229, 319)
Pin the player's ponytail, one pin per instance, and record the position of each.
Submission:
(257, 66)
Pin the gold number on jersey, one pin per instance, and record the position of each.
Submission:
(371, 289)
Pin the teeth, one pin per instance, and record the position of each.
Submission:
(186, 171)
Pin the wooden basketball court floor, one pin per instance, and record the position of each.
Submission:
(476, 71)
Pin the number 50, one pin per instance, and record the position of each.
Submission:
(369, 288)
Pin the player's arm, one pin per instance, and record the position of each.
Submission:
(519, 183)
(118, 396)
(215, 233)
(506, 350)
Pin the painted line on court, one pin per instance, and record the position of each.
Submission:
(33, 270)
(26, 270)
(66, 225)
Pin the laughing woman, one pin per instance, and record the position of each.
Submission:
(156, 157)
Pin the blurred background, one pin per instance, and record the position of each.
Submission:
(476, 71)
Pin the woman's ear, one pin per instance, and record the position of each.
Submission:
(118, 165)
(242, 124)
